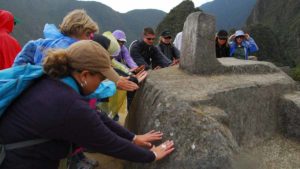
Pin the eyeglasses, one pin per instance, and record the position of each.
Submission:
(223, 38)
(168, 37)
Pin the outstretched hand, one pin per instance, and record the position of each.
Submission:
(125, 84)
(141, 75)
(163, 150)
(136, 70)
(174, 62)
(146, 139)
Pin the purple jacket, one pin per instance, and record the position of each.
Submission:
(124, 57)
(52, 110)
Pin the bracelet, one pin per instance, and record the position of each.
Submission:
(134, 138)
(155, 155)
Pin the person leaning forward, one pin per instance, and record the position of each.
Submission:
(76, 25)
(145, 53)
(62, 115)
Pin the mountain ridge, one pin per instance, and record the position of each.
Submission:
(34, 14)
(229, 13)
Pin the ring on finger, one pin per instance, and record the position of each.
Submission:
(163, 146)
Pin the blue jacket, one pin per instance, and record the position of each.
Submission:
(34, 51)
(16, 80)
(249, 47)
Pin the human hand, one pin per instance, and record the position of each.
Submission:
(175, 62)
(157, 67)
(231, 37)
(137, 69)
(163, 150)
(124, 84)
(141, 76)
(133, 69)
(247, 36)
(146, 139)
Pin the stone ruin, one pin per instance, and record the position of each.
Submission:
(221, 113)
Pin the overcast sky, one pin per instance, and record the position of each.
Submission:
(124, 6)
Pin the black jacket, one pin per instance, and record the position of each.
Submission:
(148, 55)
(169, 50)
(222, 51)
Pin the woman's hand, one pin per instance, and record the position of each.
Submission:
(163, 150)
(137, 69)
(231, 37)
(247, 36)
(141, 75)
(146, 139)
(125, 84)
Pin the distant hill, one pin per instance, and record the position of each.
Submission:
(229, 13)
(275, 26)
(35, 13)
(174, 21)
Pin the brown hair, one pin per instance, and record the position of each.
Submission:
(56, 63)
(77, 22)
(148, 30)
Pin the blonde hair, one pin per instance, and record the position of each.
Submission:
(62, 62)
(77, 22)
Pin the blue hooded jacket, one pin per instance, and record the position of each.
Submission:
(249, 47)
(34, 51)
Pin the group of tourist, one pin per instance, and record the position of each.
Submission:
(239, 45)
(71, 105)
(53, 115)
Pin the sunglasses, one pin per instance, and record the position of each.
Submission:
(239, 37)
(150, 39)
(223, 38)
(168, 37)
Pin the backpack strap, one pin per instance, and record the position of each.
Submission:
(23, 144)
(17, 145)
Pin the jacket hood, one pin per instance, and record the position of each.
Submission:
(119, 35)
(6, 21)
(51, 32)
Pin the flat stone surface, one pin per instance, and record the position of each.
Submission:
(238, 66)
(191, 87)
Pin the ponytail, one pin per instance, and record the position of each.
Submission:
(56, 63)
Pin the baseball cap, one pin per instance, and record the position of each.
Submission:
(222, 34)
(166, 33)
(99, 56)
